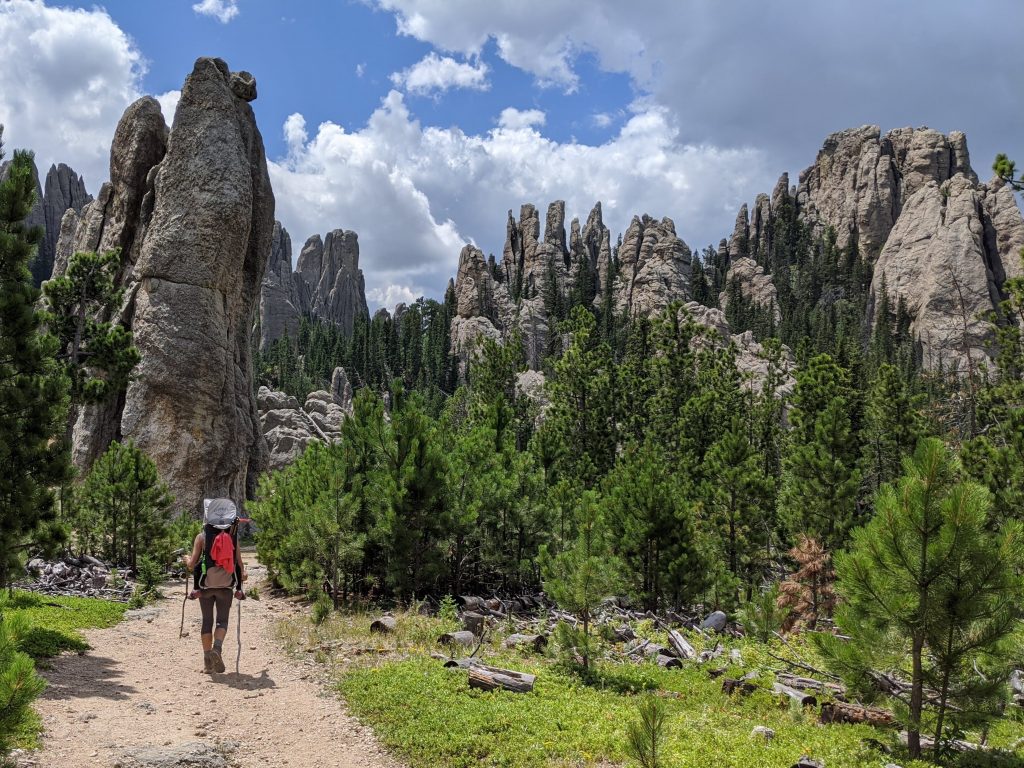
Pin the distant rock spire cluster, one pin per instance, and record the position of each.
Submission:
(327, 284)
(63, 189)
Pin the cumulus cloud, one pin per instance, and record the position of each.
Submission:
(521, 118)
(417, 193)
(222, 10)
(168, 104)
(433, 74)
(67, 76)
(776, 75)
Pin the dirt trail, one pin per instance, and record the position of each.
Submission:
(142, 687)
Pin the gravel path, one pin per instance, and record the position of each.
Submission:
(139, 698)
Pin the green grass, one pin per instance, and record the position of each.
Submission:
(55, 621)
(429, 717)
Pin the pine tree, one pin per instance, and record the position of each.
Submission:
(415, 517)
(807, 595)
(581, 576)
(652, 517)
(124, 506)
(893, 425)
(19, 683)
(739, 498)
(581, 417)
(97, 355)
(821, 479)
(33, 394)
(924, 577)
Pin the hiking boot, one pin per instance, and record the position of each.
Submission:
(218, 662)
(208, 662)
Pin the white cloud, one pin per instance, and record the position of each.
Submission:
(360, 69)
(66, 78)
(733, 78)
(602, 119)
(168, 104)
(416, 194)
(514, 119)
(391, 295)
(222, 10)
(434, 73)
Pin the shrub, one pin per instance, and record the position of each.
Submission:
(19, 683)
(322, 609)
(762, 615)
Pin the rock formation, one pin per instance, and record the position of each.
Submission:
(538, 276)
(63, 189)
(653, 268)
(327, 284)
(193, 214)
(289, 429)
(754, 283)
(911, 205)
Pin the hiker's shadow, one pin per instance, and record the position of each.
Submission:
(244, 682)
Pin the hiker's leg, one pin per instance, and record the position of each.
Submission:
(223, 614)
(223, 600)
(206, 607)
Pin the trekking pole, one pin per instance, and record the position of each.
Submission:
(181, 629)
(238, 634)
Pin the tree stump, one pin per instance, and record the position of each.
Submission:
(385, 625)
(462, 637)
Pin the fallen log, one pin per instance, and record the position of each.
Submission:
(462, 637)
(682, 648)
(486, 678)
(810, 684)
(668, 662)
(841, 712)
(536, 642)
(385, 625)
(800, 697)
(622, 634)
(470, 602)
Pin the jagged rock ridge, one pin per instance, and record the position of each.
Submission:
(63, 189)
(940, 242)
(327, 284)
(537, 276)
(192, 211)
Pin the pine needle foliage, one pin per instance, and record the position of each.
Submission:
(646, 735)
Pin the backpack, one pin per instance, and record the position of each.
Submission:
(218, 566)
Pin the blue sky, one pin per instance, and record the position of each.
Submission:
(419, 123)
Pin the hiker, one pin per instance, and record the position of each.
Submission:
(216, 562)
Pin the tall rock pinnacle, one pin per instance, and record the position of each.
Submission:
(193, 214)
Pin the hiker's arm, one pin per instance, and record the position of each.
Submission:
(239, 564)
(197, 549)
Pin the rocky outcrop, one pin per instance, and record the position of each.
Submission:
(192, 212)
(290, 428)
(754, 284)
(911, 205)
(935, 259)
(327, 285)
(539, 276)
(653, 267)
(64, 189)
(333, 289)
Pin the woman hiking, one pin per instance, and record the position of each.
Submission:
(216, 562)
